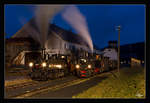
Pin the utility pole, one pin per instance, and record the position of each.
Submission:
(118, 28)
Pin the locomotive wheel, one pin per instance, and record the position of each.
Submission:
(32, 76)
(101, 70)
(92, 72)
(45, 78)
(63, 73)
(42, 76)
(55, 74)
(59, 74)
(75, 73)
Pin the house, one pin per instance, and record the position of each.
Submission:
(111, 50)
(58, 41)
(15, 46)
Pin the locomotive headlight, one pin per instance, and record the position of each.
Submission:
(58, 66)
(50, 65)
(77, 66)
(89, 66)
(30, 64)
(44, 64)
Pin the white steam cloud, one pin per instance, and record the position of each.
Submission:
(73, 16)
(44, 13)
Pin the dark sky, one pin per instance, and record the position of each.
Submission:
(101, 20)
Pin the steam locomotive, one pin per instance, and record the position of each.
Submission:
(51, 67)
(84, 67)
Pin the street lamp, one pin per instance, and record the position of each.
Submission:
(118, 28)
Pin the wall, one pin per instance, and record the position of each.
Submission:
(111, 53)
(14, 48)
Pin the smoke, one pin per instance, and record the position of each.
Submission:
(44, 13)
(73, 16)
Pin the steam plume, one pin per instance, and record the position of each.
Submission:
(44, 13)
(73, 16)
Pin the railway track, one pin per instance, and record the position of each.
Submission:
(48, 88)
(21, 85)
(45, 86)
(22, 88)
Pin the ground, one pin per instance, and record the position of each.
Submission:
(130, 83)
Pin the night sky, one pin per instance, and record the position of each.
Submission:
(101, 20)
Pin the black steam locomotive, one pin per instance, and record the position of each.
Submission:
(84, 67)
(55, 66)
(51, 68)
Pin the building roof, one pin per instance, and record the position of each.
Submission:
(68, 35)
(31, 28)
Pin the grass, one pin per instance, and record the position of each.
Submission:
(129, 84)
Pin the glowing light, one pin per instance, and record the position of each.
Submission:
(77, 66)
(58, 66)
(84, 60)
(44, 64)
(30, 64)
(50, 65)
(89, 66)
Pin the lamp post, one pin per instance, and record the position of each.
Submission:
(118, 28)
